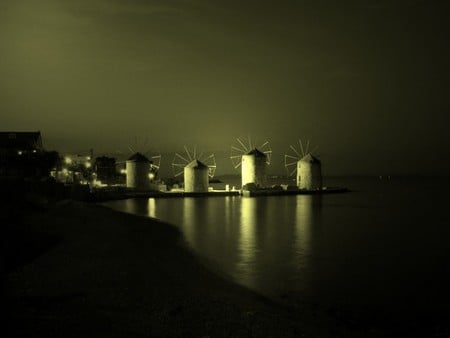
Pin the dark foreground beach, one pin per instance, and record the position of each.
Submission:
(73, 269)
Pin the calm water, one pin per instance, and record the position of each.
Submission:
(385, 243)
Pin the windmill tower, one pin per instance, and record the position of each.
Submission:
(307, 167)
(137, 170)
(140, 170)
(252, 160)
(197, 169)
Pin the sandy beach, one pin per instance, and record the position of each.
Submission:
(75, 269)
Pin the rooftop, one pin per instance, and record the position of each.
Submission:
(22, 140)
(138, 157)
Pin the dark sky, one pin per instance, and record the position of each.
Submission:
(366, 81)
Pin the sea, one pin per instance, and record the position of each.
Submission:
(383, 245)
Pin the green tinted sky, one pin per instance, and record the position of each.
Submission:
(367, 81)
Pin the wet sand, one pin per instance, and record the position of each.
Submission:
(75, 269)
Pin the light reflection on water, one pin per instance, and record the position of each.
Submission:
(378, 245)
(258, 242)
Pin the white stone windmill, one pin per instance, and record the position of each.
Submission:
(154, 158)
(196, 167)
(142, 166)
(307, 167)
(252, 160)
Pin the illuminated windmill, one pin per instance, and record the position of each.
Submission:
(307, 167)
(154, 161)
(141, 168)
(252, 160)
(197, 169)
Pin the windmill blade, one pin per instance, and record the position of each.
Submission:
(156, 165)
(178, 174)
(211, 170)
(264, 144)
(210, 159)
(177, 166)
(290, 156)
(187, 152)
(239, 149)
(287, 165)
(131, 149)
(301, 147)
(243, 145)
(293, 171)
(183, 158)
(314, 149)
(156, 162)
(250, 146)
(295, 151)
(307, 146)
(236, 161)
(290, 164)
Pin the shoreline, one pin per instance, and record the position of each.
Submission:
(104, 195)
(95, 272)
(108, 273)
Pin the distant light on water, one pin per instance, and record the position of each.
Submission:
(358, 248)
(247, 240)
(152, 207)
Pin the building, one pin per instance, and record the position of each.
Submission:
(22, 154)
(105, 169)
(20, 143)
(196, 177)
(74, 168)
(137, 171)
(253, 168)
(309, 173)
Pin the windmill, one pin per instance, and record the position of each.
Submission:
(308, 167)
(252, 160)
(141, 147)
(245, 146)
(196, 167)
(154, 156)
(182, 160)
(141, 166)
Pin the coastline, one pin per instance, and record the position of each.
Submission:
(96, 272)
(107, 273)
